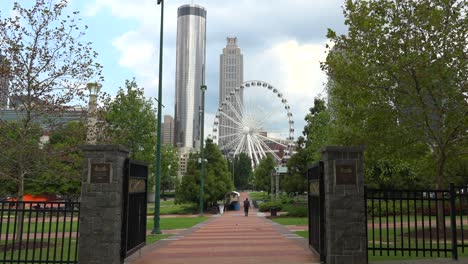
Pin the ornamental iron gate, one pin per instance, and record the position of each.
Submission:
(134, 213)
(316, 209)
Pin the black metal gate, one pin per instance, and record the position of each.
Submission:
(134, 213)
(316, 209)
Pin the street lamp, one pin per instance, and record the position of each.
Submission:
(157, 195)
(93, 89)
(202, 151)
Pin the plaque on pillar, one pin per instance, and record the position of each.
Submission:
(100, 173)
(345, 173)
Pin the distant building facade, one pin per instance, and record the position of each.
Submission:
(168, 130)
(231, 70)
(190, 63)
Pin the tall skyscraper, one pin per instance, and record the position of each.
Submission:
(231, 70)
(168, 130)
(4, 81)
(190, 74)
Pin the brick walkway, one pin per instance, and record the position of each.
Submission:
(231, 238)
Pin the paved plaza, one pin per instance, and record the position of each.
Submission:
(231, 238)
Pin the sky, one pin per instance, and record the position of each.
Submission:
(283, 43)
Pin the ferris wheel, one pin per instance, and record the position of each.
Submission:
(254, 119)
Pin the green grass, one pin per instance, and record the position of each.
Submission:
(176, 223)
(45, 253)
(291, 220)
(304, 234)
(259, 196)
(405, 219)
(150, 239)
(42, 226)
(168, 207)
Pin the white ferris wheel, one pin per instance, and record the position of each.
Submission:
(255, 119)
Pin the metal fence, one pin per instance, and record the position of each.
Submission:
(417, 223)
(39, 232)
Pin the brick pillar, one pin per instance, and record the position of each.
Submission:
(101, 204)
(345, 226)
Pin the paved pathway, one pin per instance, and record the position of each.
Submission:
(231, 238)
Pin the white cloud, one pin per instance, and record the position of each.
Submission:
(282, 43)
(294, 69)
(137, 53)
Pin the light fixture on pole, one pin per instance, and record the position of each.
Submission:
(157, 195)
(202, 149)
(93, 89)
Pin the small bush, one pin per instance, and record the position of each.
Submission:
(296, 210)
(286, 200)
(265, 207)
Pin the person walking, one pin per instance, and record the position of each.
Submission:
(246, 206)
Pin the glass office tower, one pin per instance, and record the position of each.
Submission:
(190, 56)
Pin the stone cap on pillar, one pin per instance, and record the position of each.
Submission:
(109, 148)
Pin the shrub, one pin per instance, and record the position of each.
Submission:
(296, 210)
(265, 207)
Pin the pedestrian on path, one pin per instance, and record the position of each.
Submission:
(246, 206)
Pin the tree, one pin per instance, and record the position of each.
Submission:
(48, 66)
(316, 136)
(296, 180)
(316, 130)
(169, 168)
(13, 156)
(63, 174)
(406, 61)
(263, 172)
(242, 170)
(130, 121)
(217, 179)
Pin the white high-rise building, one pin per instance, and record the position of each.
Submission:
(231, 70)
(190, 56)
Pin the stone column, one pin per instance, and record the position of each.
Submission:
(345, 226)
(101, 204)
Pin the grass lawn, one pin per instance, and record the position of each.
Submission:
(150, 239)
(168, 207)
(259, 196)
(386, 255)
(53, 253)
(176, 223)
(41, 227)
(171, 223)
(304, 234)
(290, 220)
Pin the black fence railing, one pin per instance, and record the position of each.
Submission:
(39, 232)
(417, 223)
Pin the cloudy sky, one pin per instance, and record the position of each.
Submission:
(282, 41)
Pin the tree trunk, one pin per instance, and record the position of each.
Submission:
(19, 208)
(440, 185)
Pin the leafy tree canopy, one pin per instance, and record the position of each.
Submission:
(217, 181)
(399, 85)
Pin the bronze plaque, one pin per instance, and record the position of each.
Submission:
(100, 173)
(136, 186)
(314, 188)
(345, 174)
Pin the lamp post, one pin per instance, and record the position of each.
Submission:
(157, 195)
(202, 150)
(93, 89)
